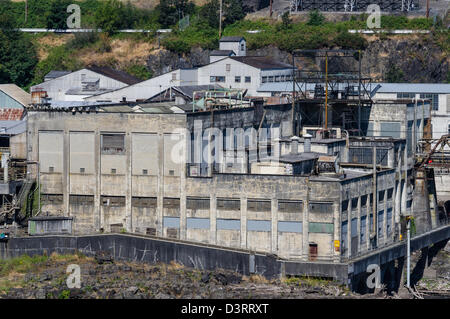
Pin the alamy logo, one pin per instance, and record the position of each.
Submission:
(374, 19)
(74, 279)
(373, 280)
(74, 20)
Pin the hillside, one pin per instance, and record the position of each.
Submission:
(414, 58)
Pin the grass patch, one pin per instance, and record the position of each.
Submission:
(307, 281)
(22, 264)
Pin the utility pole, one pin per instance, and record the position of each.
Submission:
(220, 19)
(271, 1)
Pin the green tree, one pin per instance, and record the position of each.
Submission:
(57, 18)
(286, 20)
(233, 11)
(316, 18)
(171, 11)
(109, 16)
(18, 58)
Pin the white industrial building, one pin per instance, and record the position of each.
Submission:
(229, 67)
(76, 86)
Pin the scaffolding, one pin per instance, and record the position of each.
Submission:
(324, 92)
(353, 5)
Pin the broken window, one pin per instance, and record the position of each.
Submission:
(229, 204)
(81, 199)
(113, 143)
(321, 207)
(197, 203)
(113, 201)
(144, 202)
(52, 198)
(171, 203)
(259, 206)
(286, 206)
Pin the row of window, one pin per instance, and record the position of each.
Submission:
(222, 79)
(252, 225)
(382, 195)
(276, 78)
(428, 96)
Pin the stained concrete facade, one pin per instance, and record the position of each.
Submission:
(116, 172)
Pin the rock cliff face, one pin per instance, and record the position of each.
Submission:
(403, 59)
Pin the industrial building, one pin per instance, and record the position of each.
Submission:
(309, 198)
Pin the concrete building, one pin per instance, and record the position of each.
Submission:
(127, 172)
(438, 94)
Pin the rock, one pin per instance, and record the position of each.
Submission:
(133, 290)
(205, 277)
(40, 294)
(161, 295)
(102, 257)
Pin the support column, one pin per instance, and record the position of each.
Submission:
(98, 211)
(183, 174)
(337, 230)
(128, 178)
(66, 170)
(213, 218)
(358, 223)
(349, 228)
(244, 222)
(305, 224)
(274, 228)
(160, 201)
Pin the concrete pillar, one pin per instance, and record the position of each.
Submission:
(274, 228)
(160, 210)
(305, 224)
(98, 211)
(66, 169)
(243, 222)
(358, 223)
(128, 215)
(337, 230)
(6, 167)
(213, 218)
(349, 228)
(368, 230)
(183, 173)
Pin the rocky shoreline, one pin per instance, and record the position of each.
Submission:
(43, 277)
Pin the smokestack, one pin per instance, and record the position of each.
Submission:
(307, 145)
(294, 144)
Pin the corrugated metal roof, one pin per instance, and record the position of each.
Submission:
(231, 39)
(13, 127)
(435, 88)
(222, 53)
(16, 93)
(53, 74)
(280, 87)
(261, 62)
